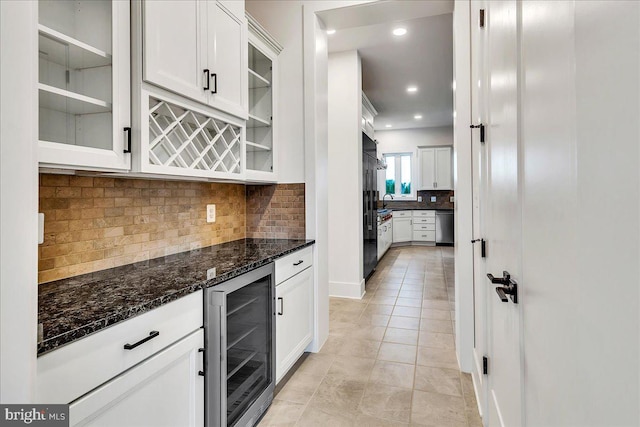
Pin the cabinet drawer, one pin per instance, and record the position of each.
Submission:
(292, 264)
(71, 371)
(401, 214)
(424, 227)
(424, 236)
(424, 220)
(424, 214)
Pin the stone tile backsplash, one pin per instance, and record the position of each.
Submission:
(95, 223)
(442, 201)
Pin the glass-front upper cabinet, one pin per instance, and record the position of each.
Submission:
(84, 84)
(261, 132)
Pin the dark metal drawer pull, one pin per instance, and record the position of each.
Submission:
(201, 350)
(298, 263)
(151, 336)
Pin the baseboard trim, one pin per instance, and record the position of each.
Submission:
(353, 290)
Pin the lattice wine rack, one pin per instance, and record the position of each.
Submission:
(186, 139)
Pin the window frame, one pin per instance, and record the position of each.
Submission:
(398, 175)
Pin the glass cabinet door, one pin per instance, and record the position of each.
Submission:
(82, 113)
(259, 141)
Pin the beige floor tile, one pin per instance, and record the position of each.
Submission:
(401, 353)
(392, 374)
(437, 357)
(430, 313)
(300, 388)
(282, 413)
(391, 403)
(406, 311)
(411, 294)
(438, 380)
(437, 422)
(431, 325)
(365, 420)
(388, 292)
(368, 319)
(401, 336)
(412, 287)
(378, 309)
(436, 294)
(373, 333)
(404, 322)
(357, 368)
(437, 407)
(436, 304)
(390, 285)
(338, 395)
(342, 328)
(344, 316)
(413, 281)
(359, 348)
(316, 364)
(436, 340)
(409, 302)
(382, 300)
(316, 417)
(332, 344)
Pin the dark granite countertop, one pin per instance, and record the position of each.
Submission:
(72, 308)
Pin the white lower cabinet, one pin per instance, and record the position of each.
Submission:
(164, 390)
(294, 309)
(402, 231)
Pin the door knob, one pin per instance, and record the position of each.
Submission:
(509, 287)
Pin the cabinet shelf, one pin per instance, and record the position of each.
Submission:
(257, 81)
(252, 146)
(256, 122)
(54, 98)
(79, 55)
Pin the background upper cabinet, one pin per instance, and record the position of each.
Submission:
(84, 84)
(368, 115)
(435, 168)
(204, 58)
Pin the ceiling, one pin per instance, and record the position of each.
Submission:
(423, 57)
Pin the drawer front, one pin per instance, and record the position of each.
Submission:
(73, 370)
(424, 227)
(292, 264)
(424, 236)
(424, 220)
(401, 214)
(423, 214)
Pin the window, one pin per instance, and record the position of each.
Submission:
(398, 175)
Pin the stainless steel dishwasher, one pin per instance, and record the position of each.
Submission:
(444, 227)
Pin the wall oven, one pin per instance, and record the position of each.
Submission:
(240, 348)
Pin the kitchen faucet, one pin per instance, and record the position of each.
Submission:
(383, 204)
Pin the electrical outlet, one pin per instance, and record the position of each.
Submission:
(419, 198)
(211, 213)
(433, 199)
(211, 273)
(452, 199)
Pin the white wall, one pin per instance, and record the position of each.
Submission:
(345, 175)
(408, 141)
(19, 201)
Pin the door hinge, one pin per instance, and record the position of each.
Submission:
(481, 18)
(485, 365)
(481, 127)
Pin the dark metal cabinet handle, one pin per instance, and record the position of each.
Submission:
(215, 83)
(128, 148)
(201, 350)
(510, 287)
(206, 73)
(298, 263)
(151, 336)
(281, 312)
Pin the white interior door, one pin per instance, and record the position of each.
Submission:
(503, 215)
(479, 176)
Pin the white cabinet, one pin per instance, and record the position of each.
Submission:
(424, 226)
(203, 58)
(84, 84)
(435, 168)
(402, 226)
(262, 125)
(164, 390)
(385, 237)
(368, 115)
(294, 308)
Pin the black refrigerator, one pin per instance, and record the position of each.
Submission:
(369, 205)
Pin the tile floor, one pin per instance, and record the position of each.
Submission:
(390, 357)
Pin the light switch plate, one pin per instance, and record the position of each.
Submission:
(40, 228)
(211, 213)
(419, 198)
(433, 199)
(452, 199)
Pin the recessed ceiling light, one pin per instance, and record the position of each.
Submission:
(399, 31)
(331, 31)
(417, 116)
(387, 126)
(412, 89)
